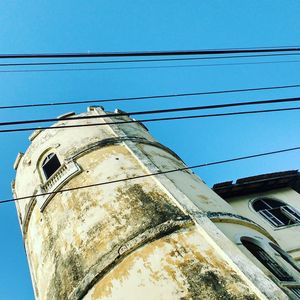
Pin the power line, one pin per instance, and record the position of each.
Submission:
(153, 53)
(149, 97)
(147, 67)
(157, 111)
(156, 173)
(153, 119)
(143, 60)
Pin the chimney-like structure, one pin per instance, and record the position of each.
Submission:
(152, 237)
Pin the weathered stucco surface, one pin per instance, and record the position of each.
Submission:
(179, 266)
(191, 185)
(137, 238)
(64, 142)
(92, 221)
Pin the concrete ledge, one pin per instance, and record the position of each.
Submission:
(18, 159)
(66, 115)
(35, 134)
(221, 217)
(119, 140)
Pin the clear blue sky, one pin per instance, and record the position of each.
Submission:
(81, 26)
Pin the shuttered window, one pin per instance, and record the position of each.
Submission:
(268, 261)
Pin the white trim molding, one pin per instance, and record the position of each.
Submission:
(65, 172)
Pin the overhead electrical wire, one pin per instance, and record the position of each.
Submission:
(152, 120)
(138, 98)
(161, 53)
(157, 111)
(143, 60)
(152, 53)
(148, 67)
(154, 174)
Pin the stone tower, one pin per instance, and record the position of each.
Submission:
(154, 237)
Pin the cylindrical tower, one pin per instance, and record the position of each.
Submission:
(144, 238)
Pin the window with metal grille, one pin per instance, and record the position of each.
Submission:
(296, 291)
(285, 256)
(50, 165)
(267, 261)
(277, 213)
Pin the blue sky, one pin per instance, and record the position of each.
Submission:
(82, 26)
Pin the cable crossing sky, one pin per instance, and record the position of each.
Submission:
(139, 98)
(156, 173)
(143, 60)
(157, 111)
(153, 53)
(153, 119)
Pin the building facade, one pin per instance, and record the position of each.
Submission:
(273, 202)
(111, 217)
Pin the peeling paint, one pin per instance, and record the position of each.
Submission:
(128, 240)
(170, 268)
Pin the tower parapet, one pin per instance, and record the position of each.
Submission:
(150, 237)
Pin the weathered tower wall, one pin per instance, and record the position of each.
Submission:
(148, 238)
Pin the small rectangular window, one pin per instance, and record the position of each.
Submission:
(50, 165)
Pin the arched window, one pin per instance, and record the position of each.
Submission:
(277, 213)
(50, 165)
(285, 256)
(267, 260)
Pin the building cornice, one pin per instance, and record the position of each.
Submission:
(258, 184)
(223, 217)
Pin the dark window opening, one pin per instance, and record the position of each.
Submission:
(277, 213)
(296, 291)
(267, 261)
(50, 165)
(285, 256)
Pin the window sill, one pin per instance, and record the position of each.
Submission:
(285, 227)
(66, 172)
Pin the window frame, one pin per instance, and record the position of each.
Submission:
(285, 256)
(264, 249)
(42, 161)
(272, 219)
(45, 163)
